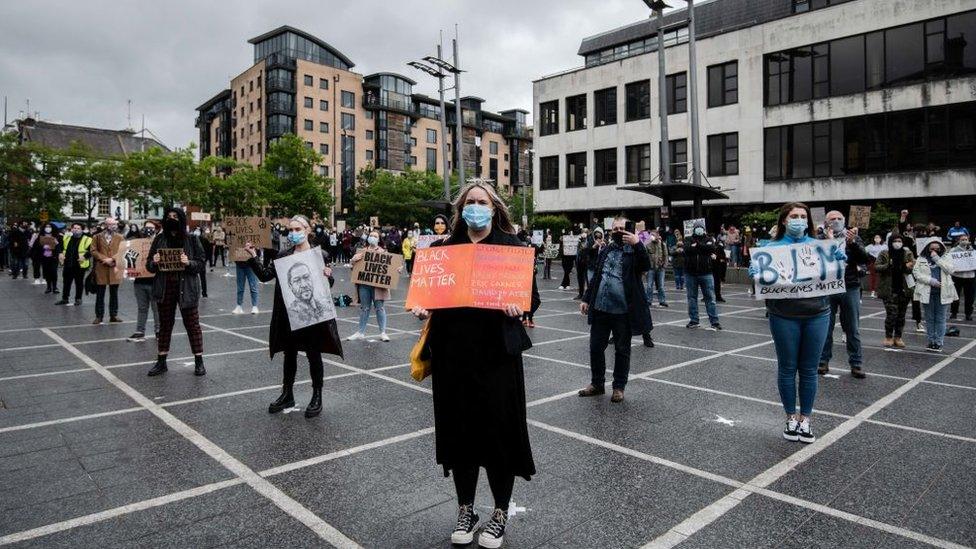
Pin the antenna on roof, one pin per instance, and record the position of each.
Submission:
(128, 114)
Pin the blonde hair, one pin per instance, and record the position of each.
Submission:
(501, 219)
(303, 220)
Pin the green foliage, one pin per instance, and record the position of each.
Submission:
(29, 180)
(296, 186)
(397, 198)
(883, 220)
(244, 192)
(766, 218)
(555, 223)
(514, 203)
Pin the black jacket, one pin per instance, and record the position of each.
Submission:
(189, 277)
(698, 252)
(635, 263)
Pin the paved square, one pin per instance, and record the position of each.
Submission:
(95, 453)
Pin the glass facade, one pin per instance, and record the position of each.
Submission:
(606, 166)
(605, 105)
(292, 46)
(549, 118)
(636, 47)
(548, 173)
(638, 164)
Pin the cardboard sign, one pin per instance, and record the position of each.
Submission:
(304, 288)
(537, 237)
(551, 251)
(199, 216)
(689, 225)
(425, 240)
(378, 269)
(818, 216)
(570, 244)
(241, 230)
(964, 260)
(340, 225)
(133, 257)
(923, 242)
(374, 221)
(169, 259)
(640, 226)
(860, 217)
(799, 271)
(484, 276)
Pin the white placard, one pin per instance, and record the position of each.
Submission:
(537, 237)
(799, 270)
(425, 240)
(570, 244)
(304, 288)
(964, 260)
(690, 225)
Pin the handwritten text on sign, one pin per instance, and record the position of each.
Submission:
(964, 260)
(169, 259)
(799, 270)
(484, 276)
(241, 230)
(378, 269)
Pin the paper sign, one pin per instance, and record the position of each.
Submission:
(964, 260)
(570, 244)
(818, 216)
(374, 221)
(607, 223)
(304, 288)
(485, 276)
(537, 237)
(640, 226)
(425, 240)
(241, 230)
(923, 242)
(199, 216)
(690, 225)
(340, 225)
(378, 269)
(551, 251)
(860, 217)
(169, 259)
(799, 270)
(133, 257)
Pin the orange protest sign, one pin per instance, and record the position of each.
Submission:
(484, 276)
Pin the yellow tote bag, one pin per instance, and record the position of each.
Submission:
(420, 365)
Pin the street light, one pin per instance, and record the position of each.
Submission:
(439, 75)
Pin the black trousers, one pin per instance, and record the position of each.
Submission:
(603, 325)
(75, 274)
(466, 485)
(36, 264)
(581, 279)
(50, 268)
(203, 282)
(965, 288)
(315, 368)
(568, 263)
(113, 300)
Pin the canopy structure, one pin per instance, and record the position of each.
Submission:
(679, 192)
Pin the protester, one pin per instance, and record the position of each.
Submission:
(581, 263)
(568, 255)
(734, 240)
(935, 291)
(907, 232)
(720, 266)
(547, 261)
(19, 251)
(108, 274)
(874, 250)
(698, 253)
(219, 247)
(678, 261)
(180, 288)
(208, 248)
(799, 329)
(50, 244)
(964, 282)
(35, 252)
(311, 340)
(143, 289)
(616, 303)
(478, 380)
(4, 244)
(657, 253)
(244, 274)
(849, 302)
(370, 296)
(894, 264)
(75, 258)
(593, 247)
(956, 231)
(440, 224)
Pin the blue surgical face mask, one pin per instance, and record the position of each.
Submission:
(796, 227)
(698, 231)
(476, 216)
(372, 241)
(296, 238)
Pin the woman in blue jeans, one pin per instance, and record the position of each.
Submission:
(370, 296)
(246, 274)
(799, 329)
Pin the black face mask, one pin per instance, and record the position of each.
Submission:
(171, 225)
(618, 238)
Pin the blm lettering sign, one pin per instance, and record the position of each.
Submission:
(799, 270)
(169, 259)
(964, 260)
(241, 230)
(484, 276)
(379, 269)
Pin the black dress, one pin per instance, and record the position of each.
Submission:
(478, 384)
(322, 337)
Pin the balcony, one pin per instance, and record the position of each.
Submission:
(280, 84)
(280, 60)
(514, 132)
(373, 102)
(281, 107)
(277, 130)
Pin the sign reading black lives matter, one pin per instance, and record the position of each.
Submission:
(241, 230)
(799, 270)
(378, 269)
(169, 259)
(304, 288)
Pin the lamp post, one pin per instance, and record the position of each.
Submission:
(693, 90)
(657, 6)
(525, 213)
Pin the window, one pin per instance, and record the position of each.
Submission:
(250, 86)
(324, 171)
(960, 52)
(492, 147)
(413, 141)
(309, 145)
(638, 164)
(369, 155)
(323, 105)
(105, 204)
(324, 148)
(308, 125)
(431, 159)
(605, 106)
(369, 135)
(493, 169)
(723, 154)
(548, 173)
(259, 81)
(723, 84)
(847, 66)
(638, 100)
(904, 54)
(323, 127)
(369, 115)
(677, 86)
(348, 121)
(348, 99)
(549, 118)
(678, 150)
(250, 107)
(576, 170)
(606, 166)
(308, 79)
(250, 150)
(874, 60)
(576, 112)
(800, 6)
(323, 83)
(308, 103)
(431, 136)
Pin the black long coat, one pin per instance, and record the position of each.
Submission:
(322, 337)
(479, 384)
(635, 263)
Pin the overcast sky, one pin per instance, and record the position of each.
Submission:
(78, 61)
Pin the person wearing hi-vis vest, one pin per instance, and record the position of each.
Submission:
(75, 258)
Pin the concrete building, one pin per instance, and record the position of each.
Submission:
(299, 84)
(830, 102)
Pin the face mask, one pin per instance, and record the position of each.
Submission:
(699, 231)
(48, 230)
(618, 238)
(296, 238)
(964, 243)
(76, 232)
(171, 225)
(896, 245)
(372, 241)
(477, 216)
(796, 227)
(837, 225)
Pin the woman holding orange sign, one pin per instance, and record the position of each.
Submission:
(478, 381)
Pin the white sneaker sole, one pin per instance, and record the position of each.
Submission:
(791, 438)
(807, 440)
(461, 538)
(490, 543)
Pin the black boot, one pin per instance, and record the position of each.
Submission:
(648, 342)
(284, 401)
(159, 367)
(314, 407)
(198, 369)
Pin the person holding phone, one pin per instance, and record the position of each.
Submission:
(615, 303)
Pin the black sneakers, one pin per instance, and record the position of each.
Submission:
(467, 522)
(823, 368)
(692, 324)
(138, 336)
(790, 432)
(857, 372)
(494, 532)
(716, 326)
(804, 431)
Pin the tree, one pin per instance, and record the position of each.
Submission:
(397, 198)
(555, 223)
(94, 177)
(760, 219)
(156, 177)
(243, 192)
(883, 220)
(296, 185)
(514, 203)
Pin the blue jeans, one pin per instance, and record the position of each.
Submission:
(736, 253)
(655, 277)
(245, 273)
(935, 320)
(18, 266)
(367, 298)
(707, 285)
(603, 325)
(798, 344)
(849, 304)
(679, 278)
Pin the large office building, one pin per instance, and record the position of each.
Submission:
(301, 85)
(831, 102)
